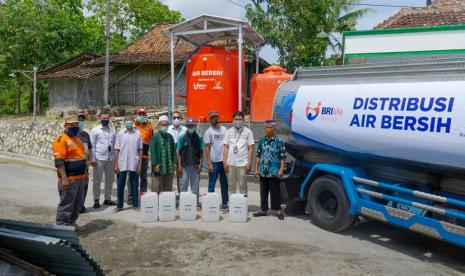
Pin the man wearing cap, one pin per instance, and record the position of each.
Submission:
(146, 131)
(214, 137)
(176, 130)
(85, 138)
(70, 161)
(103, 139)
(190, 152)
(163, 156)
(269, 168)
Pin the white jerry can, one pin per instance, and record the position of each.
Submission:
(188, 206)
(167, 206)
(149, 207)
(211, 207)
(238, 208)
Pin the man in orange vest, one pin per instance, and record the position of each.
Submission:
(71, 163)
(146, 131)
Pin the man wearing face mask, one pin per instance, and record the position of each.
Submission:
(70, 161)
(103, 139)
(214, 137)
(163, 157)
(269, 168)
(176, 130)
(190, 152)
(85, 138)
(146, 131)
(237, 154)
(128, 158)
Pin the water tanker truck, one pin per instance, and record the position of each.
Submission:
(381, 141)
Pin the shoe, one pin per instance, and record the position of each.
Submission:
(224, 207)
(116, 210)
(83, 210)
(108, 202)
(136, 209)
(225, 210)
(129, 201)
(260, 213)
(96, 204)
(280, 216)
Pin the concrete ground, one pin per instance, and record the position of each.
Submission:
(262, 246)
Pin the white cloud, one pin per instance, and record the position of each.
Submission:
(194, 8)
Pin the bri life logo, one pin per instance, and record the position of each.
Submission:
(312, 113)
(325, 113)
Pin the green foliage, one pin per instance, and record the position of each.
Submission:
(129, 19)
(292, 27)
(45, 33)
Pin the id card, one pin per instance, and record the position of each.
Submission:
(236, 150)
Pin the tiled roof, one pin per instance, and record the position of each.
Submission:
(441, 12)
(151, 48)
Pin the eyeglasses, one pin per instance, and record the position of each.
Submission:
(174, 118)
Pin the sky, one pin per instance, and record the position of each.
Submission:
(193, 8)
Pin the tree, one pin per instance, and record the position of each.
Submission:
(36, 33)
(129, 19)
(292, 27)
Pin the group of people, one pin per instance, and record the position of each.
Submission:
(174, 152)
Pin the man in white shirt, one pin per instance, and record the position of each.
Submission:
(213, 139)
(128, 160)
(103, 138)
(177, 130)
(237, 154)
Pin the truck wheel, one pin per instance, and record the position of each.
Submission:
(328, 205)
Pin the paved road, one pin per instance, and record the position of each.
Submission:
(378, 248)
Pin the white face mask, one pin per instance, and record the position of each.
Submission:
(176, 122)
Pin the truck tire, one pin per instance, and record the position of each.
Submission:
(328, 204)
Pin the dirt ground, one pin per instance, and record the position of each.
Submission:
(262, 246)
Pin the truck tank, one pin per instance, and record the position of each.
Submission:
(398, 121)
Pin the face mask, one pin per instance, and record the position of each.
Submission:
(191, 130)
(72, 131)
(238, 124)
(141, 119)
(82, 125)
(163, 129)
(176, 122)
(105, 122)
(129, 124)
(269, 132)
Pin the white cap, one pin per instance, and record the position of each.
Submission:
(163, 118)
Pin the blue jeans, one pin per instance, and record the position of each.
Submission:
(121, 183)
(212, 177)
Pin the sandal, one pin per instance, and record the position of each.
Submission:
(260, 213)
(116, 210)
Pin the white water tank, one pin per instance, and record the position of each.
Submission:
(167, 206)
(149, 207)
(211, 207)
(238, 208)
(188, 206)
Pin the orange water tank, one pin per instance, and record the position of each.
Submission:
(212, 83)
(263, 88)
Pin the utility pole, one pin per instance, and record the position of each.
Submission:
(107, 55)
(34, 109)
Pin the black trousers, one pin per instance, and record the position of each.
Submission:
(270, 185)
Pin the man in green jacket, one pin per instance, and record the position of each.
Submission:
(163, 157)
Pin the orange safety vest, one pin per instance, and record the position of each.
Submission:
(146, 133)
(71, 150)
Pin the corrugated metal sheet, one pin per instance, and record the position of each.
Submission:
(53, 253)
(61, 232)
